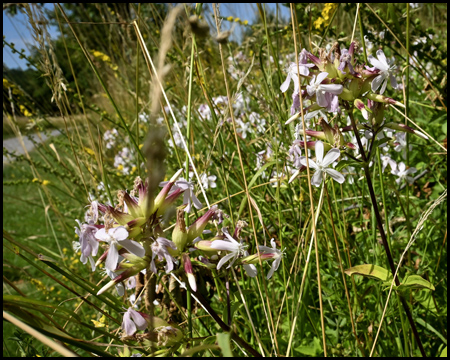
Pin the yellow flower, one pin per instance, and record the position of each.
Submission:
(97, 53)
(100, 323)
(105, 58)
(230, 18)
(120, 167)
(318, 23)
(45, 182)
(89, 151)
(35, 180)
(236, 20)
(245, 22)
(141, 146)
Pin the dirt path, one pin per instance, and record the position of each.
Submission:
(14, 144)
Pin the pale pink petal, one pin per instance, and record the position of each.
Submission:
(138, 319)
(316, 180)
(112, 258)
(393, 82)
(312, 163)
(223, 245)
(382, 58)
(332, 88)
(378, 64)
(284, 86)
(321, 77)
(330, 157)
(251, 270)
(102, 235)
(119, 233)
(377, 82)
(336, 175)
(128, 325)
(319, 152)
(224, 260)
(321, 99)
(383, 87)
(133, 247)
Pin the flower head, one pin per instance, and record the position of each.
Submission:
(132, 321)
(326, 94)
(386, 70)
(276, 256)
(160, 249)
(235, 249)
(321, 165)
(403, 173)
(115, 237)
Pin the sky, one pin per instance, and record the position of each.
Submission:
(15, 29)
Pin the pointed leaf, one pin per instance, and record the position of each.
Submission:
(223, 339)
(415, 282)
(369, 270)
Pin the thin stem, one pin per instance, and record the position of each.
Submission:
(383, 235)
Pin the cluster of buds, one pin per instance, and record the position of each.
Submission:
(334, 82)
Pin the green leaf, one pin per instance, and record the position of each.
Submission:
(444, 352)
(424, 298)
(427, 326)
(224, 343)
(415, 282)
(369, 270)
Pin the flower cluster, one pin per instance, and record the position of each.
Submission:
(335, 83)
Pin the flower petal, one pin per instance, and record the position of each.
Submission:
(102, 235)
(330, 157)
(319, 152)
(377, 82)
(133, 247)
(224, 245)
(112, 258)
(332, 88)
(224, 259)
(321, 77)
(284, 86)
(138, 319)
(316, 180)
(336, 175)
(382, 58)
(393, 82)
(383, 87)
(128, 325)
(321, 98)
(119, 233)
(251, 270)
(378, 64)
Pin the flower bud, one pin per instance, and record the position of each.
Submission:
(179, 233)
(189, 272)
(199, 225)
(383, 99)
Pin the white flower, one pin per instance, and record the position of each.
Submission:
(118, 236)
(386, 160)
(403, 173)
(235, 248)
(321, 165)
(208, 181)
(386, 70)
(133, 320)
(243, 128)
(276, 256)
(325, 93)
(160, 249)
(188, 195)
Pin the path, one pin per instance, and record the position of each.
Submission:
(15, 145)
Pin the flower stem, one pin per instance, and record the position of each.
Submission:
(383, 235)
